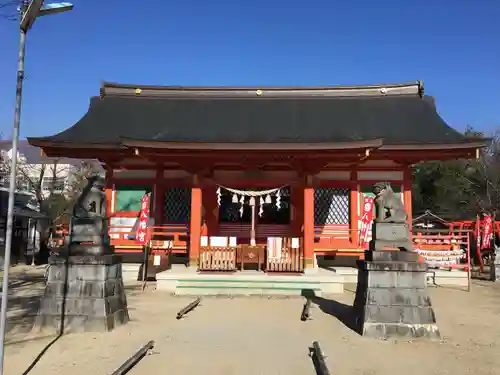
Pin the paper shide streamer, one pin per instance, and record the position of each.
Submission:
(264, 197)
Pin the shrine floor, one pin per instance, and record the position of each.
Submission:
(256, 336)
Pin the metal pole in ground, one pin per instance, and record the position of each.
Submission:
(29, 11)
(12, 191)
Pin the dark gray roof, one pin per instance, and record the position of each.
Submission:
(397, 114)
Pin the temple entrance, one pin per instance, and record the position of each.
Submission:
(267, 215)
(254, 233)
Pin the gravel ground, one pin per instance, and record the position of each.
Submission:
(257, 336)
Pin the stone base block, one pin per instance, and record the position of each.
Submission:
(83, 293)
(383, 331)
(392, 235)
(496, 266)
(391, 297)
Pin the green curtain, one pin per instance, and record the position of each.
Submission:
(128, 197)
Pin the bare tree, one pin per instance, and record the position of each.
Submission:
(53, 183)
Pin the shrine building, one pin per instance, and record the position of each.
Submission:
(280, 170)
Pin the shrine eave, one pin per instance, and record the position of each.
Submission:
(375, 148)
(467, 144)
(245, 146)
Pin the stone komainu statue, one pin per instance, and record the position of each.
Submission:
(390, 208)
(89, 225)
(91, 201)
(391, 228)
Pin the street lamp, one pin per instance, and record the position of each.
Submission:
(29, 13)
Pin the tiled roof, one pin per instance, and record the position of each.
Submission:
(397, 114)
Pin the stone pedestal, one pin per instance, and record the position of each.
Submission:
(83, 293)
(391, 297)
(496, 266)
(393, 235)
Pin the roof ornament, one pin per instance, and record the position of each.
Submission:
(258, 92)
(138, 91)
(383, 90)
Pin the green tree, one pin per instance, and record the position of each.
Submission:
(460, 189)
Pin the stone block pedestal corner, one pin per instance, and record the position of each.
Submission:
(83, 293)
(392, 299)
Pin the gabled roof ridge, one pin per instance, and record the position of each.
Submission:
(117, 89)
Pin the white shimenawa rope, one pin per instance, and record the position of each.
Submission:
(252, 193)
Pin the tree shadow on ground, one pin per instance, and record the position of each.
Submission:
(346, 314)
(25, 292)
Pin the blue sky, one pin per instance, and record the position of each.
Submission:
(452, 45)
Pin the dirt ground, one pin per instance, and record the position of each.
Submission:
(256, 336)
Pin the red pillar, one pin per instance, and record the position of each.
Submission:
(308, 223)
(297, 200)
(195, 222)
(109, 193)
(159, 197)
(407, 185)
(211, 217)
(354, 217)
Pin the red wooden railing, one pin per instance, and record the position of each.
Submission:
(262, 231)
(335, 236)
(167, 237)
(243, 230)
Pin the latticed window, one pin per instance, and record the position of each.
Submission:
(177, 205)
(331, 206)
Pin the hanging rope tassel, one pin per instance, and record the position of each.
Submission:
(278, 200)
(235, 198)
(218, 196)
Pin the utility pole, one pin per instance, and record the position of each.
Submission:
(12, 190)
(29, 11)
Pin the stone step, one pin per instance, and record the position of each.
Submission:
(241, 284)
(247, 284)
(130, 272)
(240, 290)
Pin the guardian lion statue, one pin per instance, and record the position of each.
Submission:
(389, 207)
